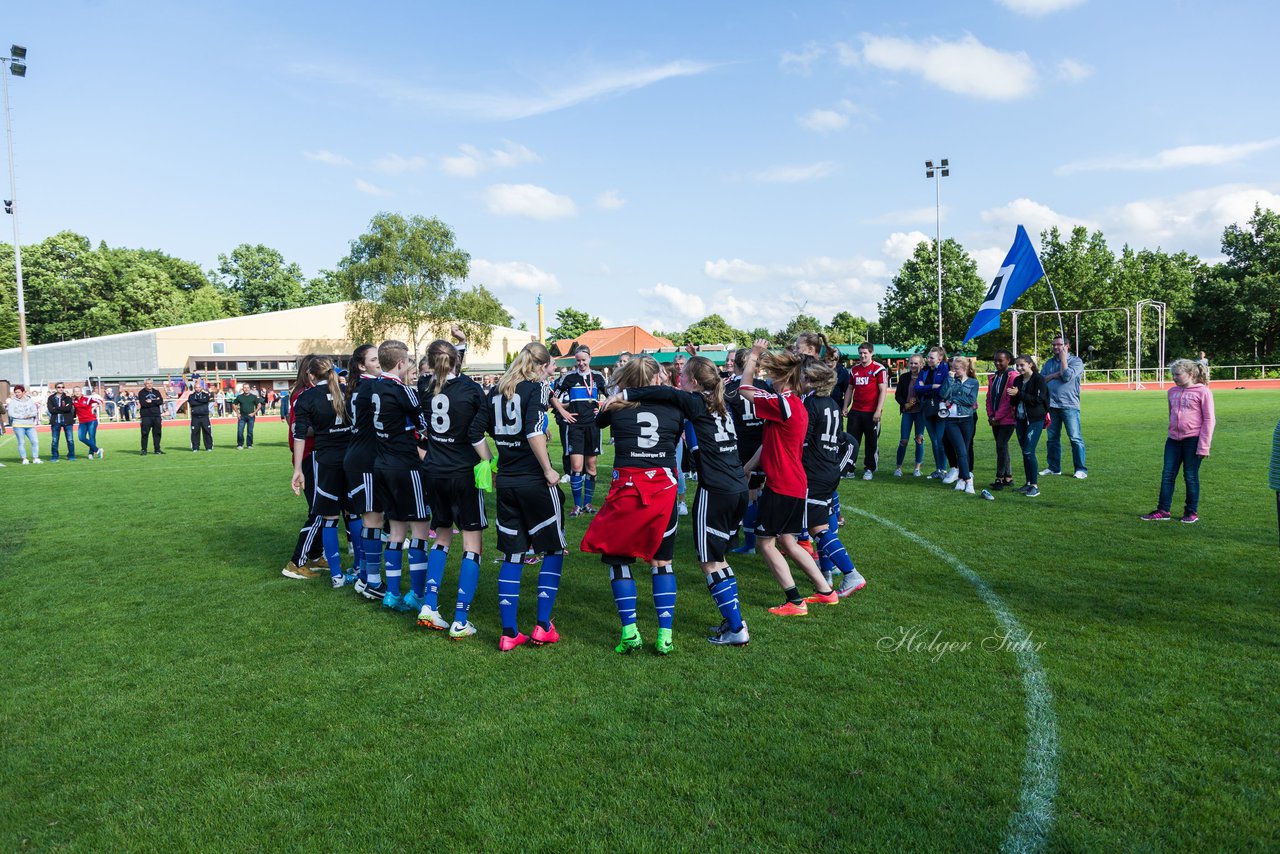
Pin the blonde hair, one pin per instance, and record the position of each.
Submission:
(819, 377)
(784, 368)
(704, 372)
(942, 353)
(528, 364)
(390, 353)
(1198, 373)
(968, 366)
(443, 359)
(321, 370)
(639, 372)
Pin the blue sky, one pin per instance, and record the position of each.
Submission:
(653, 164)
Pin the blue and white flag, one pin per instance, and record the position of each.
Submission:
(1021, 269)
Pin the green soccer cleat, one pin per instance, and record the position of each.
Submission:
(630, 640)
(664, 645)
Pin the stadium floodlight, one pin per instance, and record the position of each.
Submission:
(17, 69)
(943, 170)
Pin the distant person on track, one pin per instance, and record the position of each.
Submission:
(1191, 423)
(150, 403)
(25, 416)
(248, 403)
(88, 405)
(198, 405)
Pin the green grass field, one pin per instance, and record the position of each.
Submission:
(162, 687)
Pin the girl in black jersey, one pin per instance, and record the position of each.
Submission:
(530, 501)
(454, 407)
(638, 519)
(721, 500)
(363, 371)
(321, 412)
(308, 554)
(582, 389)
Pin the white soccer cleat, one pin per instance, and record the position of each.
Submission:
(458, 631)
(1081, 474)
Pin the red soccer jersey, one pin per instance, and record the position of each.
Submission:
(866, 382)
(87, 408)
(786, 422)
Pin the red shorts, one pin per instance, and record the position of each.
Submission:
(635, 514)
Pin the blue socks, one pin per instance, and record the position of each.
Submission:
(355, 529)
(724, 592)
(509, 593)
(393, 563)
(418, 566)
(664, 595)
(575, 481)
(468, 579)
(332, 551)
(624, 594)
(588, 487)
(548, 587)
(749, 524)
(830, 547)
(371, 567)
(436, 559)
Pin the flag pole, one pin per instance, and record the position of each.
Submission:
(1056, 311)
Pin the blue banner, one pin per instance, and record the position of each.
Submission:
(1021, 269)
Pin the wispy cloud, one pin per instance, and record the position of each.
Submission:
(326, 157)
(471, 161)
(823, 121)
(1036, 217)
(503, 106)
(610, 200)
(516, 275)
(794, 174)
(801, 61)
(1038, 8)
(1073, 71)
(965, 66)
(396, 164)
(528, 200)
(1172, 158)
(371, 189)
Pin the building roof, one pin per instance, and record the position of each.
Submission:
(615, 340)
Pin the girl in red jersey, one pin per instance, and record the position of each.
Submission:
(782, 502)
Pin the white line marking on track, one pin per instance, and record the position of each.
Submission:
(1030, 824)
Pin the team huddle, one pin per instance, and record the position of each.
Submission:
(403, 452)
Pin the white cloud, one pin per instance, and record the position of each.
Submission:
(371, 189)
(1034, 216)
(528, 200)
(501, 106)
(821, 121)
(610, 200)
(848, 55)
(911, 216)
(326, 157)
(676, 304)
(1038, 8)
(989, 260)
(1074, 71)
(1172, 158)
(800, 62)
(396, 164)
(516, 275)
(794, 174)
(471, 161)
(1192, 220)
(736, 270)
(965, 66)
(899, 246)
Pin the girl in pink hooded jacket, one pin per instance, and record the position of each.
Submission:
(1191, 424)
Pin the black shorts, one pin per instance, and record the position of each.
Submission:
(667, 550)
(402, 494)
(583, 439)
(818, 506)
(531, 516)
(716, 517)
(757, 480)
(330, 496)
(779, 514)
(362, 497)
(455, 502)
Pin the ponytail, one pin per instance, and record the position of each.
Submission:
(443, 359)
(704, 372)
(322, 370)
(528, 364)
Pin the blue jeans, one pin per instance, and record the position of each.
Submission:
(89, 435)
(1028, 438)
(959, 434)
(935, 427)
(1053, 440)
(1181, 452)
(245, 423)
(28, 439)
(58, 430)
(911, 421)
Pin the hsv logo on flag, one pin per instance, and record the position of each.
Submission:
(1021, 269)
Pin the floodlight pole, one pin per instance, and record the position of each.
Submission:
(17, 245)
(941, 171)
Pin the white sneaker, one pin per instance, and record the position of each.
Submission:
(868, 474)
(851, 583)
(682, 509)
(430, 618)
(968, 487)
(1081, 474)
(959, 485)
(26, 462)
(1049, 471)
(917, 472)
(564, 478)
(951, 476)
(898, 472)
(458, 631)
(38, 461)
(727, 637)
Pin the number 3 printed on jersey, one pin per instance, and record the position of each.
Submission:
(648, 423)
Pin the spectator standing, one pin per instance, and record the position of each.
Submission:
(109, 403)
(150, 402)
(25, 415)
(220, 402)
(959, 393)
(1000, 415)
(1063, 372)
(912, 414)
(4, 414)
(1030, 395)
(1191, 423)
(171, 403)
(62, 419)
(927, 386)
(864, 403)
(88, 405)
(198, 405)
(248, 403)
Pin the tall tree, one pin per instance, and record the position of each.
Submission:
(846, 328)
(259, 276)
(909, 311)
(402, 276)
(786, 336)
(478, 305)
(324, 289)
(1236, 309)
(570, 323)
(712, 329)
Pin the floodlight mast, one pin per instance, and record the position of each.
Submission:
(15, 64)
(943, 170)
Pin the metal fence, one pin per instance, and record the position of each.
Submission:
(1216, 372)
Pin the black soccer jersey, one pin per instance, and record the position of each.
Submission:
(198, 402)
(512, 422)
(579, 394)
(363, 447)
(821, 456)
(644, 436)
(455, 418)
(313, 411)
(748, 425)
(397, 422)
(719, 468)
